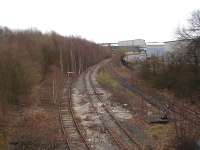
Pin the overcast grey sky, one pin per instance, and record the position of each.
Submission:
(100, 20)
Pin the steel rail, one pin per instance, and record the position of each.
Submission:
(74, 124)
(151, 100)
(138, 145)
(111, 132)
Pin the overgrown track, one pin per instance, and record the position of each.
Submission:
(45, 94)
(74, 135)
(160, 102)
(121, 136)
(109, 130)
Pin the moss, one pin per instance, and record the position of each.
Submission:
(159, 131)
(106, 80)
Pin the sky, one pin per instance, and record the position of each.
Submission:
(100, 20)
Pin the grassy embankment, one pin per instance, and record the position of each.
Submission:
(158, 132)
(106, 80)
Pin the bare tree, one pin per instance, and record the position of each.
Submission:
(192, 35)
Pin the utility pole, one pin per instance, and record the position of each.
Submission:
(53, 92)
(72, 59)
(61, 61)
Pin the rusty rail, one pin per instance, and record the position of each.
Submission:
(190, 114)
(111, 132)
(74, 124)
(127, 133)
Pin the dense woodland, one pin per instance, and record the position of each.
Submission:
(26, 57)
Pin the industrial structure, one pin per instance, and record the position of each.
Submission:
(133, 43)
(150, 48)
(170, 46)
(155, 48)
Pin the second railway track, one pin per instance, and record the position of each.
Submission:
(121, 136)
(160, 103)
(74, 136)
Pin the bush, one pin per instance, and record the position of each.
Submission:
(34, 132)
(186, 136)
(16, 78)
(178, 77)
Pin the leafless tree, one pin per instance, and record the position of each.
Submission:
(192, 35)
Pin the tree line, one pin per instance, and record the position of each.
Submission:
(26, 57)
(179, 70)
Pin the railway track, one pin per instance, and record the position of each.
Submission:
(74, 136)
(157, 101)
(110, 131)
(121, 136)
(187, 109)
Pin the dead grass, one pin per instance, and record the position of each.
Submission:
(161, 133)
(123, 71)
(3, 141)
(35, 128)
(106, 80)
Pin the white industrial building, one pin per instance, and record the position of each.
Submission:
(159, 49)
(171, 46)
(155, 48)
(132, 43)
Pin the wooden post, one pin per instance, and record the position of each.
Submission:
(54, 100)
(61, 61)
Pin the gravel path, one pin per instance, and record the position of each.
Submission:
(91, 119)
(97, 135)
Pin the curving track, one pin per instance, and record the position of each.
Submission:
(123, 139)
(160, 102)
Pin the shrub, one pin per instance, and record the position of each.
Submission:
(16, 78)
